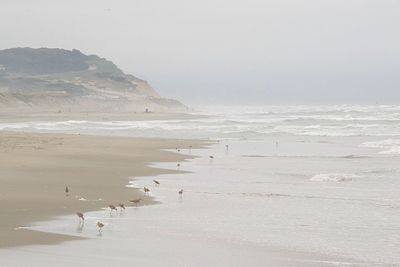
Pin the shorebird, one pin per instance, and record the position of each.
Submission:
(112, 207)
(227, 147)
(146, 190)
(66, 190)
(178, 165)
(211, 157)
(135, 201)
(80, 216)
(122, 206)
(180, 192)
(100, 226)
(156, 182)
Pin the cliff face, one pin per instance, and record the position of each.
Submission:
(48, 79)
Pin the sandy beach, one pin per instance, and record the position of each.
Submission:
(36, 168)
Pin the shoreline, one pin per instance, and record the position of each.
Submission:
(35, 169)
(13, 116)
(115, 233)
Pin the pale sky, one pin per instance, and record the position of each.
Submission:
(227, 51)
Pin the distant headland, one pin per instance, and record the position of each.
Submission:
(58, 79)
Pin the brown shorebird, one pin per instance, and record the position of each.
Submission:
(156, 182)
(122, 206)
(66, 190)
(146, 190)
(135, 201)
(100, 226)
(112, 207)
(80, 216)
(180, 192)
(178, 165)
(211, 157)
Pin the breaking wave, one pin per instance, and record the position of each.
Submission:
(240, 122)
(389, 146)
(334, 177)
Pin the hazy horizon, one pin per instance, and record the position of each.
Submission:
(229, 52)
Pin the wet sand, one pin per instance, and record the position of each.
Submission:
(36, 168)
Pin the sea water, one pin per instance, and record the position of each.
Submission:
(317, 185)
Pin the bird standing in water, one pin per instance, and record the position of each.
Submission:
(122, 206)
(112, 208)
(80, 216)
(100, 226)
(135, 201)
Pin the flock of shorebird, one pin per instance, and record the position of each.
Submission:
(114, 208)
(136, 202)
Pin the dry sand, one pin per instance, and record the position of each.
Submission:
(36, 168)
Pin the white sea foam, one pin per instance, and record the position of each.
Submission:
(237, 122)
(333, 177)
(390, 146)
(382, 143)
(392, 151)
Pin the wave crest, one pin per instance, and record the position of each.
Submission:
(333, 177)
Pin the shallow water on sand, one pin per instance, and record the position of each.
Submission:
(302, 202)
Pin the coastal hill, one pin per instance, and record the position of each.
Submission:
(48, 79)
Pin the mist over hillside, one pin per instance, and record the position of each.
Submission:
(52, 78)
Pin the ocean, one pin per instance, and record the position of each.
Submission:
(320, 181)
